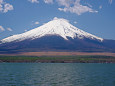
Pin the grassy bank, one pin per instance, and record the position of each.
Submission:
(59, 59)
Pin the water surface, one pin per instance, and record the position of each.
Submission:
(57, 74)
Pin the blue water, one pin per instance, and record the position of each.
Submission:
(57, 74)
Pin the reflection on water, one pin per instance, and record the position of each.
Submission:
(57, 74)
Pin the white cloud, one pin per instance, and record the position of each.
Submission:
(89, 5)
(48, 1)
(2, 29)
(110, 1)
(34, 1)
(5, 7)
(1, 1)
(74, 7)
(1, 7)
(9, 29)
(65, 3)
(25, 30)
(75, 22)
(37, 22)
(100, 7)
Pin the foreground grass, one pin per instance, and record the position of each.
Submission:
(59, 59)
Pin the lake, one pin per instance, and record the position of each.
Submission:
(57, 74)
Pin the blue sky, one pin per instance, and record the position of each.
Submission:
(94, 16)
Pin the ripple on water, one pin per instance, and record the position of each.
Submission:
(57, 74)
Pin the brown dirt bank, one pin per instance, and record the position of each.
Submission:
(60, 54)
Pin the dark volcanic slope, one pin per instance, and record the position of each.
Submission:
(57, 43)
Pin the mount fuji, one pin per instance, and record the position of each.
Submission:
(56, 35)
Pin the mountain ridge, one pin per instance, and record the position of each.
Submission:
(58, 26)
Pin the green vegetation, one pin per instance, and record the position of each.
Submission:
(59, 59)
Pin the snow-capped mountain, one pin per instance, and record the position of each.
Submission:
(58, 26)
(56, 35)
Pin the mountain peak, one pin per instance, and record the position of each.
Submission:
(58, 26)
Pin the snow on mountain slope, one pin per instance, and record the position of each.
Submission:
(58, 26)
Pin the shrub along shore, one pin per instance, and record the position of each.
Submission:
(58, 59)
